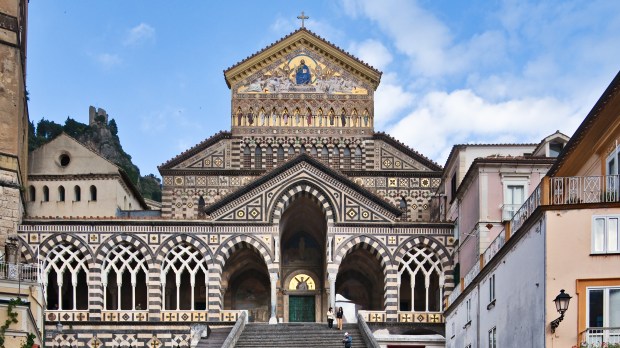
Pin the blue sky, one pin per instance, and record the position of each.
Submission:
(454, 72)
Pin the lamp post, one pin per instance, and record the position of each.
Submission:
(561, 304)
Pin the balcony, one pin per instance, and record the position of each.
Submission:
(596, 336)
(509, 210)
(27, 273)
(584, 189)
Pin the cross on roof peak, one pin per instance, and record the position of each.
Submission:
(302, 17)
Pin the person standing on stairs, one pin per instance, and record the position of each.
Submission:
(347, 340)
(330, 318)
(339, 316)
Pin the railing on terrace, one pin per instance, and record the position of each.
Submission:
(494, 247)
(471, 274)
(454, 295)
(596, 336)
(19, 272)
(584, 189)
(526, 209)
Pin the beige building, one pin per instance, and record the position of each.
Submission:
(67, 179)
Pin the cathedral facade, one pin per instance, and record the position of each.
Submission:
(301, 206)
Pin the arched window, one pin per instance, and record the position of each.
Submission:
(325, 154)
(32, 193)
(420, 281)
(184, 279)
(65, 274)
(201, 206)
(280, 154)
(358, 158)
(346, 158)
(291, 151)
(336, 158)
(247, 158)
(302, 149)
(269, 157)
(93, 193)
(313, 152)
(258, 158)
(61, 193)
(123, 277)
(77, 193)
(46, 194)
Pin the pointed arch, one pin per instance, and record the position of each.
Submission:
(369, 243)
(234, 243)
(302, 188)
(111, 242)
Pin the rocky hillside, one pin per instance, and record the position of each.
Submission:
(101, 137)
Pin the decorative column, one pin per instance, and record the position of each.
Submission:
(331, 277)
(273, 278)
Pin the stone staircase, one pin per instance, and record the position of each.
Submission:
(315, 335)
(216, 337)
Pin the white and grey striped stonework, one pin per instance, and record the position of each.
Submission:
(303, 190)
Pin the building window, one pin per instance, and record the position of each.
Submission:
(65, 274)
(613, 184)
(453, 187)
(313, 152)
(124, 279)
(605, 234)
(32, 193)
(93, 193)
(258, 158)
(468, 309)
(336, 158)
(421, 281)
(555, 149)
(358, 158)
(280, 154)
(493, 338)
(325, 154)
(77, 193)
(61, 193)
(184, 279)
(46, 194)
(514, 196)
(492, 288)
(346, 159)
(247, 158)
(291, 151)
(603, 311)
(269, 157)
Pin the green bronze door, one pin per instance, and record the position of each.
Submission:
(301, 309)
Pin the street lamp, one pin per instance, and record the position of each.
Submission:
(561, 304)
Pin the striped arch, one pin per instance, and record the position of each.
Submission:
(26, 250)
(64, 238)
(300, 189)
(177, 239)
(374, 246)
(232, 244)
(430, 243)
(116, 239)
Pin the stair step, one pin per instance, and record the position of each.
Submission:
(316, 335)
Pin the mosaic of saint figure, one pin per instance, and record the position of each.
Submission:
(302, 76)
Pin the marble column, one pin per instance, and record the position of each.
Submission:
(273, 277)
(332, 289)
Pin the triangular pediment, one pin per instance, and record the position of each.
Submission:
(209, 154)
(259, 201)
(332, 66)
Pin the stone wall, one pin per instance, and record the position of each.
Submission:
(11, 207)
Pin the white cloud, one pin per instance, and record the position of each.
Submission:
(139, 34)
(108, 60)
(390, 101)
(372, 52)
(442, 119)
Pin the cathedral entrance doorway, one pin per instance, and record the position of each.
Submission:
(303, 230)
(301, 309)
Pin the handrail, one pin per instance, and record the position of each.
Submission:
(236, 331)
(367, 336)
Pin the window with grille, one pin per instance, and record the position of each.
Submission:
(269, 157)
(247, 158)
(258, 158)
